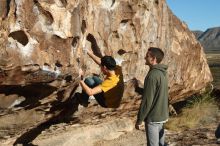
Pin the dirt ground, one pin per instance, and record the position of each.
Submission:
(134, 138)
(25, 127)
(203, 136)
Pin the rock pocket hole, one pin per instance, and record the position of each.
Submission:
(64, 2)
(47, 15)
(75, 41)
(113, 2)
(83, 26)
(58, 64)
(124, 21)
(46, 64)
(121, 52)
(94, 45)
(20, 36)
(115, 34)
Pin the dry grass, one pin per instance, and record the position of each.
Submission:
(216, 75)
(200, 110)
(213, 58)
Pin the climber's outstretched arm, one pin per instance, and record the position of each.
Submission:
(94, 57)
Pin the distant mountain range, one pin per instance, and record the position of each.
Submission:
(210, 39)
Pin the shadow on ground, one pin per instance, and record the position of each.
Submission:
(65, 112)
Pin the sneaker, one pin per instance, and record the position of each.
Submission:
(218, 141)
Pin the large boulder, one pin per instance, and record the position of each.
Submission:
(42, 41)
(41, 52)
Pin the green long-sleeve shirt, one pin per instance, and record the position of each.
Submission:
(154, 104)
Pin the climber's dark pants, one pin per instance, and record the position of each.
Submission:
(217, 132)
(93, 82)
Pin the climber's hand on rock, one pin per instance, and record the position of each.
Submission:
(89, 51)
(87, 48)
(81, 73)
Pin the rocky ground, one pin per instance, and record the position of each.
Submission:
(92, 126)
(203, 136)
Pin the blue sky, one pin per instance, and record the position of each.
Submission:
(198, 14)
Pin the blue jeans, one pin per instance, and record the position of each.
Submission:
(93, 82)
(155, 134)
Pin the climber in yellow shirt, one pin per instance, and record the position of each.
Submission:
(108, 93)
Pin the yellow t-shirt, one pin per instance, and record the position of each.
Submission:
(113, 88)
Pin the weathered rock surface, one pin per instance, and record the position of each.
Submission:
(41, 52)
(88, 135)
(39, 36)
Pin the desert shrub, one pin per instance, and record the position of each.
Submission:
(199, 110)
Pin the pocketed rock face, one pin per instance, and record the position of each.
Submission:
(41, 52)
(41, 35)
